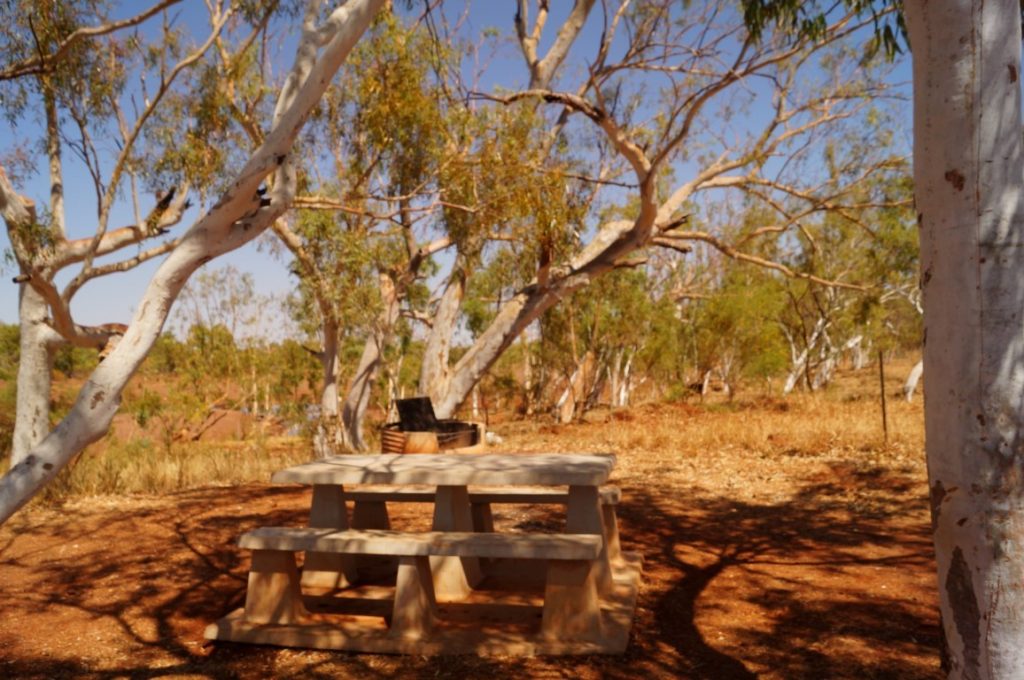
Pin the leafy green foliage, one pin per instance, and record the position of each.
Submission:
(71, 360)
(8, 396)
(737, 328)
(10, 350)
(797, 19)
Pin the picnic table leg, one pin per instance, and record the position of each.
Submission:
(572, 610)
(611, 534)
(372, 515)
(273, 594)
(454, 577)
(584, 517)
(412, 617)
(328, 570)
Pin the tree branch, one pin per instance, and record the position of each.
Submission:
(40, 63)
(669, 241)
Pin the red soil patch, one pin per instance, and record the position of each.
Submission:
(756, 565)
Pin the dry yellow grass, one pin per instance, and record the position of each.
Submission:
(746, 440)
(143, 467)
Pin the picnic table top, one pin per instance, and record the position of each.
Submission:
(459, 469)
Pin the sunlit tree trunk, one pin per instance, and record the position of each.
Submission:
(968, 178)
(35, 363)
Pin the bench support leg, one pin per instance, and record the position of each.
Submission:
(572, 610)
(483, 518)
(372, 515)
(583, 516)
(273, 595)
(611, 534)
(413, 615)
(454, 577)
(328, 570)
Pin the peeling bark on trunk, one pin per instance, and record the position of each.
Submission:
(967, 174)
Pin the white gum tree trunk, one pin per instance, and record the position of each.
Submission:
(968, 175)
(234, 220)
(910, 386)
(327, 432)
(798, 365)
(436, 374)
(625, 383)
(357, 400)
(35, 363)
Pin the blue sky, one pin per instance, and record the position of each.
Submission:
(113, 298)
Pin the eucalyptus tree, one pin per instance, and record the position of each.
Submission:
(424, 172)
(241, 212)
(356, 242)
(374, 145)
(73, 77)
(132, 105)
(667, 91)
(968, 165)
(876, 243)
(610, 335)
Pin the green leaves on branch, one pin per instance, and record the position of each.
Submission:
(797, 20)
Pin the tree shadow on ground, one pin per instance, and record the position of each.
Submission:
(731, 589)
(814, 569)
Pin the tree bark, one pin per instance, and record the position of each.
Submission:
(910, 386)
(435, 374)
(327, 432)
(35, 364)
(353, 412)
(626, 382)
(967, 176)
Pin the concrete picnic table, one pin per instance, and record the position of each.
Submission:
(454, 577)
(455, 572)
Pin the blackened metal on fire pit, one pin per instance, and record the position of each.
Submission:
(417, 415)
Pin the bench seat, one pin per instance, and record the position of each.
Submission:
(571, 605)
(400, 543)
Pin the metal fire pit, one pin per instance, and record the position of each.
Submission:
(450, 434)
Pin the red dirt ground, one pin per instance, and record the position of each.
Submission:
(768, 563)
